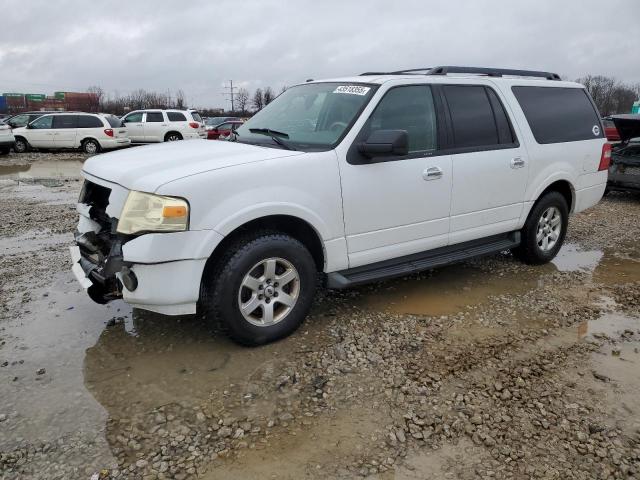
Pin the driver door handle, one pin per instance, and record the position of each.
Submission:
(517, 162)
(432, 173)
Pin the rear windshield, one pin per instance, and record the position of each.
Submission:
(558, 115)
(196, 116)
(114, 121)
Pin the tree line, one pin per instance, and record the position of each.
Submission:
(610, 95)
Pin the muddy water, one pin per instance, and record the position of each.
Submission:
(451, 289)
(42, 169)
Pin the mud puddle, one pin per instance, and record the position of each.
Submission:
(451, 289)
(42, 170)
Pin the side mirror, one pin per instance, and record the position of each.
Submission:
(28, 125)
(385, 143)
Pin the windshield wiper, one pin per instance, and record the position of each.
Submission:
(274, 134)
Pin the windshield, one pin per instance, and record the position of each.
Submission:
(314, 116)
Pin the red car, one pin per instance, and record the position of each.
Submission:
(610, 130)
(223, 130)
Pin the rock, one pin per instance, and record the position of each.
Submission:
(476, 419)
(224, 432)
(141, 463)
(3, 417)
(41, 371)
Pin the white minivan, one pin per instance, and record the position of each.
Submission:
(91, 132)
(153, 126)
(360, 178)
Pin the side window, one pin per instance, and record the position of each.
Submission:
(558, 115)
(176, 117)
(224, 126)
(65, 121)
(42, 123)
(133, 118)
(88, 121)
(154, 117)
(409, 108)
(472, 116)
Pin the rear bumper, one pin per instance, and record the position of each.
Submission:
(624, 177)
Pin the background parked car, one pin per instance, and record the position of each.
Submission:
(149, 126)
(223, 130)
(6, 138)
(624, 172)
(91, 132)
(25, 118)
(610, 130)
(212, 122)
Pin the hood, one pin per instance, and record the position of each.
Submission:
(628, 126)
(147, 168)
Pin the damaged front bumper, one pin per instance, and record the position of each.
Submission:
(160, 272)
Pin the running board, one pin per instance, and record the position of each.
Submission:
(422, 261)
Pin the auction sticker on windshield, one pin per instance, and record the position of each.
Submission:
(352, 89)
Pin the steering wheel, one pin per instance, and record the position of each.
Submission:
(337, 125)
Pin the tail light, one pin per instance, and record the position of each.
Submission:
(194, 124)
(108, 132)
(605, 158)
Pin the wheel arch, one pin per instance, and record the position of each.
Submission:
(565, 188)
(89, 137)
(177, 132)
(292, 225)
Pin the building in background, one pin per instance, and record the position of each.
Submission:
(60, 101)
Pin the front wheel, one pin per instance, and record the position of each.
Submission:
(21, 145)
(261, 289)
(545, 230)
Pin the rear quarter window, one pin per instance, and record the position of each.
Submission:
(88, 121)
(176, 117)
(114, 122)
(196, 116)
(558, 115)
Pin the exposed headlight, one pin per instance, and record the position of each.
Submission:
(145, 212)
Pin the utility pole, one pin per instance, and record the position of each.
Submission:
(231, 93)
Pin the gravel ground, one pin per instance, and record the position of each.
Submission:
(489, 369)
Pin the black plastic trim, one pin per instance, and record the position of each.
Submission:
(422, 261)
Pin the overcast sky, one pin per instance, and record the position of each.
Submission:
(199, 45)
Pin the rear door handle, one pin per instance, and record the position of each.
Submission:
(432, 173)
(517, 162)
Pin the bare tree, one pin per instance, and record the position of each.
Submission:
(610, 95)
(96, 98)
(267, 96)
(180, 103)
(242, 100)
(258, 100)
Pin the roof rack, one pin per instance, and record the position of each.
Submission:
(491, 72)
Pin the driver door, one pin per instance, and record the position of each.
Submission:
(135, 127)
(396, 206)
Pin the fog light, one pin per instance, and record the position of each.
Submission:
(129, 279)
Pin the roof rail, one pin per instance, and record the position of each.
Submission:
(491, 72)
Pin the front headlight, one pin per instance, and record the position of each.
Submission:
(145, 212)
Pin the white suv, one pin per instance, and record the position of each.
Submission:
(153, 126)
(92, 132)
(361, 178)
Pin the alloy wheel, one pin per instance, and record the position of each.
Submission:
(549, 229)
(269, 291)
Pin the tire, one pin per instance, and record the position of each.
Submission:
(21, 145)
(541, 239)
(90, 146)
(172, 137)
(224, 288)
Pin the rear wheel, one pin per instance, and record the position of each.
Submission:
(90, 146)
(172, 137)
(545, 230)
(21, 145)
(261, 289)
